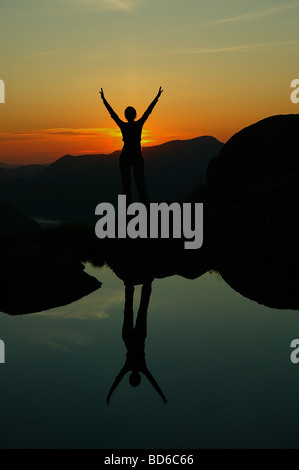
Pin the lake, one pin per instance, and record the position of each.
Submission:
(222, 361)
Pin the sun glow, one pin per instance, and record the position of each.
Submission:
(216, 61)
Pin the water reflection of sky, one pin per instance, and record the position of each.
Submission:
(222, 361)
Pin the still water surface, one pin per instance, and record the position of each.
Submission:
(222, 361)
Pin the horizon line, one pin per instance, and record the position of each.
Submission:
(99, 153)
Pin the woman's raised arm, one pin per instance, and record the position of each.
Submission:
(151, 106)
(110, 109)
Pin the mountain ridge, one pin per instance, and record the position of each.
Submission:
(71, 187)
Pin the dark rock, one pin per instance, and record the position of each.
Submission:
(261, 155)
(12, 220)
(254, 193)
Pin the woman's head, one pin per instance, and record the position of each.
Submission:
(135, 378)
(130, 113)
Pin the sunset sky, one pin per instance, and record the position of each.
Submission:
(223, 64)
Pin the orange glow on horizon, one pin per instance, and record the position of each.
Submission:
(222, 66)
(47, 145)
(220, 117)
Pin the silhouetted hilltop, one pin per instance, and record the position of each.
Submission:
(8, 172)
(71, 187)
(8, 165)
(12, 220)
(174, 168)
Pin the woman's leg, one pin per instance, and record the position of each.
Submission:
(128, 326)
(138, 169)
(140, 326)
(125, 171)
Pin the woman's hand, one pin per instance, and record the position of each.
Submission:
(102, 94)
(159, 92)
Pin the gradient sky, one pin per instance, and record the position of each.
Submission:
(223, 65)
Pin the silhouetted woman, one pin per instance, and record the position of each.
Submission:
(134, 339)
(131, 155)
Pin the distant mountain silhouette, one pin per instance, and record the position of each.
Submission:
(12, 220)
(71, 187)
(8, 172)
(8, 165)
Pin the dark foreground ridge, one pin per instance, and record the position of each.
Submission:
(250, 234)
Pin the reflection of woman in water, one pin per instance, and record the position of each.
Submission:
(131, 155)
(134, 339)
